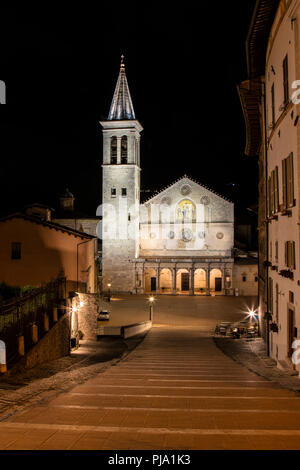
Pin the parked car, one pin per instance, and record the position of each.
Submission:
(103, 315)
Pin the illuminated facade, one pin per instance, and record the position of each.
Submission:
(273, 135)
(179, 241)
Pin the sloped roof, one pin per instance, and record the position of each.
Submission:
(185, 177)
(50, 225)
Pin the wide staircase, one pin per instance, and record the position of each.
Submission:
(176, 390)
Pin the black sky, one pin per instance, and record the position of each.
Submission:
(183, 62)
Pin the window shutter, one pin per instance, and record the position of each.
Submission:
(290, 180)
(276, 190)
(271, 295)
(286, 253)
(269, 198)
(284, 183)
(286, 80)
(293, 255)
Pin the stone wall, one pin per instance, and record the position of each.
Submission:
(87, 315)
(55, 344)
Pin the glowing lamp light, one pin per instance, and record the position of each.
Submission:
(81, 303)
(108, 285)
(74, 309)
(151, 299)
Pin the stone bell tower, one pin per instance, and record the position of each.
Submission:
(120, 190)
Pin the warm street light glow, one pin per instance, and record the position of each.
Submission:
(74, 309)
(81, 303)
(252, 314)
(108, 285)
(151, 299)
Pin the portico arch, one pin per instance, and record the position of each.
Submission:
(182, 281)
(166, 281)
(216, 281)
(199, 281)
(150, 280)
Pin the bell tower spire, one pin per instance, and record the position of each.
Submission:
(121, 106)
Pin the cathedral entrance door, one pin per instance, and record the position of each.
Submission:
(153, 284)
(218, 284)
(185, 282)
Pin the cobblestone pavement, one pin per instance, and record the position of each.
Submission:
(252, 354)
(26, 388)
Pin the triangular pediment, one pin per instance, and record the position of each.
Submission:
(186, 187)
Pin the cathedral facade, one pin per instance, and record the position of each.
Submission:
(178, 242)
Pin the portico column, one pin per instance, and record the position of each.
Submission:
(158, 281)
(143, 279)
(191, 279)
(174, 281)
(208, 280)
(223, 279)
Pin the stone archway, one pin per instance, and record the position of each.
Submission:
(199, 281)
(182, 281)
(165, 281)
(216, 281)
(150, 280)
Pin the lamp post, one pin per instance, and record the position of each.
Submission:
(151, 300)
(108, 295)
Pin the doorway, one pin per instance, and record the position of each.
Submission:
(185, 282)
(218, 284)
(153, 284)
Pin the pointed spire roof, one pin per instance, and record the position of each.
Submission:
(121, 106)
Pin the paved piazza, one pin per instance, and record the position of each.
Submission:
(176, 390)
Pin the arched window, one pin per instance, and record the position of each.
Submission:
(113, 151)
(124, 150)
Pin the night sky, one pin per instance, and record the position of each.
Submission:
(183, 62)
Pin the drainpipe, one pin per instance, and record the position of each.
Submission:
(81, 243)
(267, 224)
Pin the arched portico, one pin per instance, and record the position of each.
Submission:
(176, 276)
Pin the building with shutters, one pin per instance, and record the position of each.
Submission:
(271, 109)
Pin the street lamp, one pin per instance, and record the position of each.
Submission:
(108, 295)
(151, 300)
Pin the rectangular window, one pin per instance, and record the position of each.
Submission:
(273, 105)
(244, 278)
(276, 251)
(285, 67)
(288, 181)
(124, 192)
(113, 192)
(16, 250)
(290, 258)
